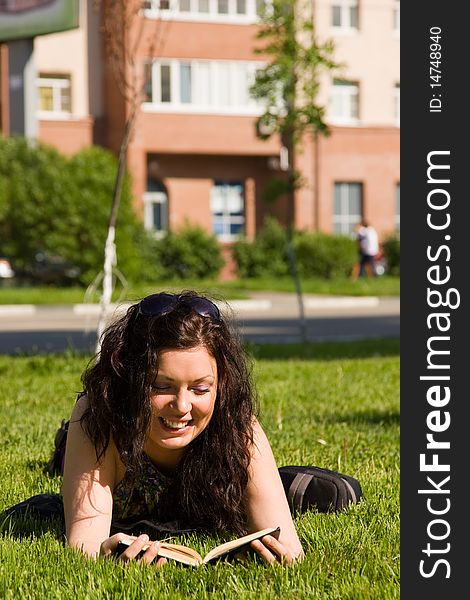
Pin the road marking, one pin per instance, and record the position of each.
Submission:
(250, 304)
(95, 309)
(342, 302)
(7, 310)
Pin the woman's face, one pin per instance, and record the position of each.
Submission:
(182, 402)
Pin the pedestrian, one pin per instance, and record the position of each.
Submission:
(368, 246)
(167, 425)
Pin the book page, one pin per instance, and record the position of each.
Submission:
(184, 557)
(239, 543)
(182, 554)
(189, 556)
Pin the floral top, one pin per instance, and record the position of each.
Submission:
(140, 495)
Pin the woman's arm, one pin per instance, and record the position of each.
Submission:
(87, 488)
(268, 506)
(88, 498)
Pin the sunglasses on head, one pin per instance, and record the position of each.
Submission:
(161, 304)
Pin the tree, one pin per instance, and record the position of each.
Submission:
(46, 198)
(288, 87)
(123, 31)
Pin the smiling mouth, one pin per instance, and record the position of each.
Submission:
(175, 425)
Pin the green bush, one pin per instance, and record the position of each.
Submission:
(189, 254)
(60, 206)
(391, 249)
(33, 201)
(93, 172)
(328, 256)
(318, 254)
(266, 256)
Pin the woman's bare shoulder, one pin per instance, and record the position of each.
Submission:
(80, 407)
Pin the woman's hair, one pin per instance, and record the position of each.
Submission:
(211, 478)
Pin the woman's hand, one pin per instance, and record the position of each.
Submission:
(109, 547)
(272, 551)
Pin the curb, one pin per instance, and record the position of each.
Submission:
(342, 302)
(253, 305)
(7, 310)
(94, 309)
(17, 309)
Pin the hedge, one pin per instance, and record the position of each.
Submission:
(60, 206)
(318, 254)
(190, 253)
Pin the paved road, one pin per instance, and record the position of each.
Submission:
(264, 318)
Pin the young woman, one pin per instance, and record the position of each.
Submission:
(166, 430)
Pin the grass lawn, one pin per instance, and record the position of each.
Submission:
(237, 289)
(330, 405)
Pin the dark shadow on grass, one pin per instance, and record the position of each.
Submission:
(23, 526)
(371, 417)
(370, 348)
(37, 465)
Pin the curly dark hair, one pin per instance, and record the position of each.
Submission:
(209, 483)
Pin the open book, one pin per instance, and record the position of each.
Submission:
(188, 556)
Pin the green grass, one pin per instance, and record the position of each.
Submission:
(331, 405)
(237, 289)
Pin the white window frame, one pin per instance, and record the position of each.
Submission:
(396, 103)
(345, 27)
(212, 15)
(215, 70)
(396, 17)
(227, 219)
(344, 221)
(57, 83)
(346, 93)
(151, 198)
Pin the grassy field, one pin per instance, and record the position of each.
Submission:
(330, 405)
(237, 289)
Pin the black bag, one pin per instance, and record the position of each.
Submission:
(321, 489)
(41, 506)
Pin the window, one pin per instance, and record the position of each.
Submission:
(344, 102)
(156, 207)
(185, 83)
(261, 6)
(228, 210)
(396, 103)
(397, 207)
(344, 15)
(347, 207)
(54, 93)
(201, 86)
(147, 82)
(241, 7)
(165, 83)
(222, 7)
(396, 16)
(245, 11)
(156, 4)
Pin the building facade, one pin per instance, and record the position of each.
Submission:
(195, 156)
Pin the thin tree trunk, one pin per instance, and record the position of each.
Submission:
(110, 257)
(290, 240)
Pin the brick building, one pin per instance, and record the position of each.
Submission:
(195, 155)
